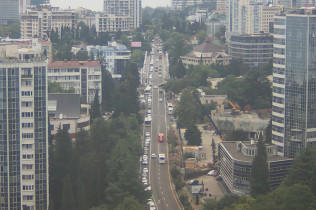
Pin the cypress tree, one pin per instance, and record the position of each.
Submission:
(95, 108)
(68, 199)
(259, 182)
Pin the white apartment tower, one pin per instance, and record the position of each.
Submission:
(23, 135)
(248, 17)
(125, 8)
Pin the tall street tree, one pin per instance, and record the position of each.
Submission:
(95, 108)
(259, 181)
(193, 135)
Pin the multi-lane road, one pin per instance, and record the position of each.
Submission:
(159, 178)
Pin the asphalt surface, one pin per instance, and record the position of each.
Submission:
(162, 191)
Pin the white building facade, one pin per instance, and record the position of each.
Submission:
(130, 9)
(84, 76)
(40, 21)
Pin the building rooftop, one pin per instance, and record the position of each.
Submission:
(231, 148)
(73, 64)
(207, 50)
(64, 105)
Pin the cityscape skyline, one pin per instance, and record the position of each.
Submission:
(97, 5)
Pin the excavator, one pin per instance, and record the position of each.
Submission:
(235, 107)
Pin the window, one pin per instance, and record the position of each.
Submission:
(27, 166)
(27, 146)
(27, 135)
(27, 197)
(27, 125)
(28, 156)
(27, 114)
(66, 126)
(28, 177)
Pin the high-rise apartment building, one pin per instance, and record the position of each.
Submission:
(294, 82)
(38, 22)
(125, 8)
(39, 2)
(180, 4)
(23, 133)
(9, 11)
(248, 17)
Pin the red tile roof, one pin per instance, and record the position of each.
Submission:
(73, 64)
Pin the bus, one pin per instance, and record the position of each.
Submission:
(147, 121)
(161, 137)
(162, 158)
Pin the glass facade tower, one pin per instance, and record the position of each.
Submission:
(294, 82)
(23, 136)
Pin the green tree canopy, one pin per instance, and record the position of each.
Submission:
(193, 135)
(259, 181)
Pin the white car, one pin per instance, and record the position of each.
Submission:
(160, 99)
(145, 162)
(211, 173)
(155, 87)
(147, 134)
(160, 75)
(148, 139)
(148, 189)
(153, 155)
(149, 111)
(145, 170)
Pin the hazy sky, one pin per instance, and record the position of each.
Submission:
(98, 4)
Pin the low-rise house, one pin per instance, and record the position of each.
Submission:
(66, 111)
(206, 53)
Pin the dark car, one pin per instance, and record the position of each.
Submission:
(194, 182)
(219, 178)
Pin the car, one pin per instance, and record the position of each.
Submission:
(147, 134)
(148, 189)
(219, 178)
(149, 111)
(144, 175)
(193, 182)
(149, 115)
(155, 87)
(211, 173)
(153, 155)
(145, 157)
(160, 99)
(148, 139)
(145, 162)
(160, 75)
(145, 152)
(145, 170)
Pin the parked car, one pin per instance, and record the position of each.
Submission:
(153, 155)
(219, 178)
(193, 182)
(211, 173)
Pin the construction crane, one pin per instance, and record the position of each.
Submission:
(197, 98)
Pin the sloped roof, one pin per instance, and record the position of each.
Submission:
(67, 104)
(207, 47)
(207, 50)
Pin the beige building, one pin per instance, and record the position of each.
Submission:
(38, 22)
(83, 76)
(112, 23)
(267, 17)
(206, 53)
(25, 49)
(85, 15)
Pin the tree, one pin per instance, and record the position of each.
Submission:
(193, 135)
(237, 135)
(259, 181)
(137, 57)
(82, 55)
(268, 133)
(55, 87)
(67, 199)
(201, 36)
(187, 110)
(95, 107)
